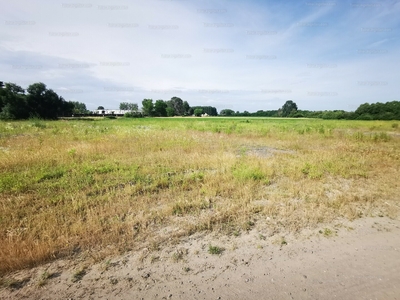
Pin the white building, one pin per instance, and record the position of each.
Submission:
(111, 112)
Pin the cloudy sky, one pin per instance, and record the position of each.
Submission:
(243, 55)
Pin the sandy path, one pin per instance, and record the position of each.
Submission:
(361, 262)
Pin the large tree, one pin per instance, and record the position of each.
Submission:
(38, 102)
(36, 94)
(186, 108)
(13, 102)
(128, 106)
(170, 111)
(177, 104)
(44, 103)
(160, 108)
(289, 108)
(79, 108)
(148, 107)
(227, 112)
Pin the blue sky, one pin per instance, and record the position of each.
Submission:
(241, 55)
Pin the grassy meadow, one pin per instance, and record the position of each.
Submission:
(107, 186)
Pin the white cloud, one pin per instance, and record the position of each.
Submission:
(243, 56)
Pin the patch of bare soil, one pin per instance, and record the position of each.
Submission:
(265, 151)
(358, 260)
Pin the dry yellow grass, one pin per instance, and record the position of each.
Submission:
(112, 185)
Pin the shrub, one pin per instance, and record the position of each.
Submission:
(133, 114)
(215, 250)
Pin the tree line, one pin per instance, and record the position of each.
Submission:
(166, 108)
(375, 111)
(40, 102)
(37, 101)
(174, 107)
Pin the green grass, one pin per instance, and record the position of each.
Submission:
(215, 250)
(116, 184)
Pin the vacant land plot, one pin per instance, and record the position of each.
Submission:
(107, 186)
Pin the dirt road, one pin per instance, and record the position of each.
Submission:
(359, 260)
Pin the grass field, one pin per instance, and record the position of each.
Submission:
(107, 186)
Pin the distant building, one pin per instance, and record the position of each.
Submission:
(111, 112)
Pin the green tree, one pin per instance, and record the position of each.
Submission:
(378, 111)
(289, 108)
(133, 107)
(35, 98)
(13, 103)
(170, 111)
(44, 103)
(227, 112)
(148, 107)
(362, 109)
(128, 106)
(177, 104)
(123, 106)
(78, 108)
(68, 108)
(100, 108)
(39, 101)
(186, 108)
(198, 112)
(160, 108)
(209, 110)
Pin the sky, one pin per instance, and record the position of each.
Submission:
(240, 55)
